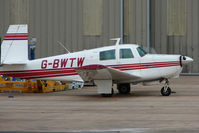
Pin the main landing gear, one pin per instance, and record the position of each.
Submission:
(124, 88)
(166, 90)
(108, 95)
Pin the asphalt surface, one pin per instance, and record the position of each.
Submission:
(82, 111)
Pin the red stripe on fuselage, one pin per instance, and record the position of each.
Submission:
(39, 73)
(148, 67)
(50, 76)
(42, 73)
(145, 65)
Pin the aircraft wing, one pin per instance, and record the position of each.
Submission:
(101, 72)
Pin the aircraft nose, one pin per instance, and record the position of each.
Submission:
(186, 60)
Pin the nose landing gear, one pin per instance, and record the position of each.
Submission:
(166, 90)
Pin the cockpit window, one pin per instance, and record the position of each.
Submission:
(107, 55)
(141, 51)
(126, 53)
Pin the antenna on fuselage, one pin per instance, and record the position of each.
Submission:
(117, 47)
(63, 47)
(117, 40)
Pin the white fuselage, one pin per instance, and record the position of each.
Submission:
(62, 67)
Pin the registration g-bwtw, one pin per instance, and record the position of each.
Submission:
(120, 64)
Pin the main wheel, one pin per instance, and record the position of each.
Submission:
(165, 91)
(108, 95)
(124, 88)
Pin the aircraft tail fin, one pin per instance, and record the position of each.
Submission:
(14, 48)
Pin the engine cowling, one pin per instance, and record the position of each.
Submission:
(184, 60)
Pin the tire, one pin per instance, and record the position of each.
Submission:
(124, 88)
(167, 92)
(108, 95)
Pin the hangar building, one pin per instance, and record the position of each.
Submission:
(85, 24)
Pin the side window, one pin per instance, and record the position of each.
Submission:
(141, 51)
(126, 53)
(107, 55)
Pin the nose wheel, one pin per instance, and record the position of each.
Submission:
(166, 90)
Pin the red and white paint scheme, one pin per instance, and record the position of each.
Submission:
(120, 64)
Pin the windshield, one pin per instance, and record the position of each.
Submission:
(141, 51)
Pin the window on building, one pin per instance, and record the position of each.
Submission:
(176, 17)
(126, 53)
(107, 55)
(92, 17)
(141, 51)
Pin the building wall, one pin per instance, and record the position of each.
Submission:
(4, 17)
(66, 21)
(175, 29)
(135, 16)
(85, 24)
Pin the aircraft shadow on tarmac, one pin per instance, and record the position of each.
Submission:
(132, 94)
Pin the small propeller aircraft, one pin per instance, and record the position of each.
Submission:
(120, 64)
